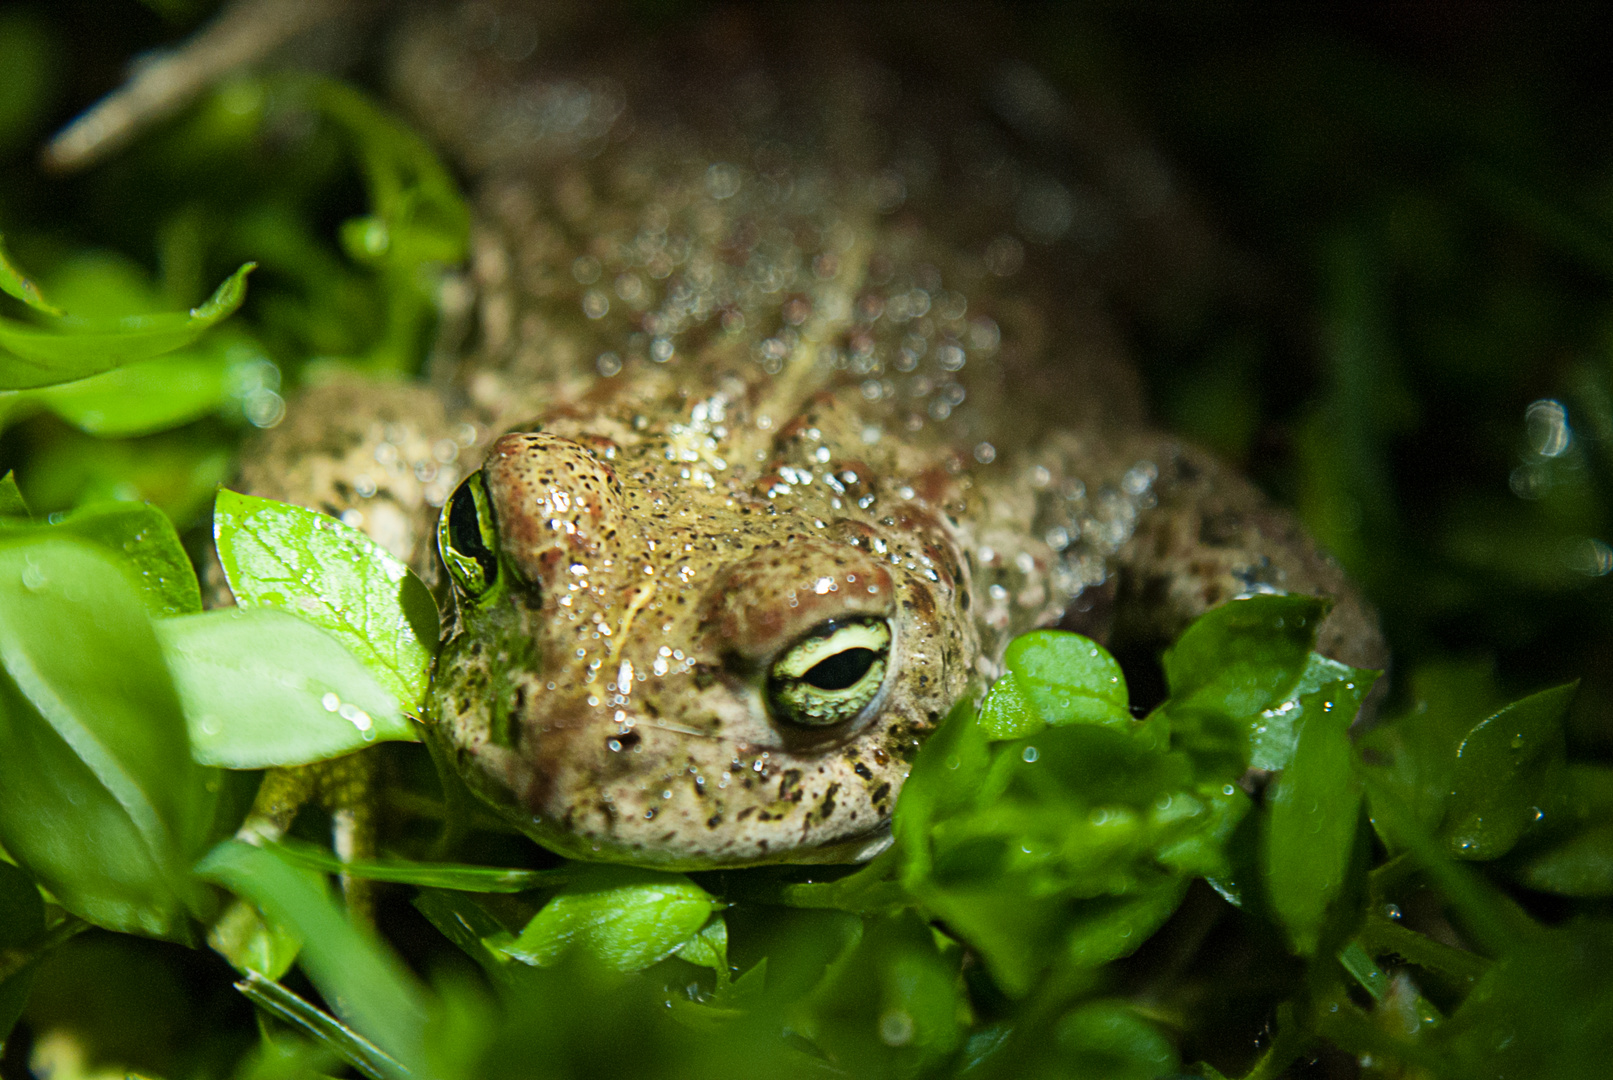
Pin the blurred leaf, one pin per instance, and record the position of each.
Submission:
(1507, 770)
(87, 346)
(262, 687)
(1581, 865)
(1314, 809)
(12, 504)
(1111, 1041)
(709, 948)
(22, 922)
(252, 943)
(366, 985)
(284, 556)
(624, 917)
(1415, 753)
(143, 538)
(14, 283)
(890, 1004)
(1544, 1012)
(179, 471)
(99, 798)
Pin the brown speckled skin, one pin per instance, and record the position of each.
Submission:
(778, 335)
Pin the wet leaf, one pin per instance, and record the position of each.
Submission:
(142, 537)
(99, 797)
(82, 347)
(262, 687)
(625, 918)
(1067, 679)
(1109, 1039)
(1243, 656)
(1508, 773)
(1314, 809)
(283, 556)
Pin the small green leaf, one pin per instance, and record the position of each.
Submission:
(142, 536)
(252, 943)
(1245, 655)
(283, 556)
(99, 797)
(626, 918)
(1507, 775)
(709, 948)
(262, 687)
(1580, 865)
(1005, 711)
(1068, 679)
(1314, 809)
(364, 983)
(12, 504)
(13, 282)
(1110, 1039)
(82, 347)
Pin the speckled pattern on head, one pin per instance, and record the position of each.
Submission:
(761, 336)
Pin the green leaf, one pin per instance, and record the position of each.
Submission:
(709, 948)
(1415, 753)
(99, 797)
(1006, 712)
(1508, 772)
(1580, 865)
(624, 917)
(142, 536)
(1055, 677)
(12, 504)
(1314, 809)
(1275, 731)
(283, 556)
(262, 687)
(136, 399)
(13, 282)
(82, 347)
(1109, 1039)
(364, 983)
(22, 922)
(1544, 1012)
(890, 1002)
(1244, 656)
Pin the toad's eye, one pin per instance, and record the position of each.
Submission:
(467, 539)
(832, 675)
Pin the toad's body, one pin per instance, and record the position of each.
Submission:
(761, 342)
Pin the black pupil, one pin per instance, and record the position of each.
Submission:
(841, 670)
(465, 532)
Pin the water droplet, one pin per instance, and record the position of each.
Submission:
(1029, 754)
(896, 1028)
(331, 702)
(1517, 742)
